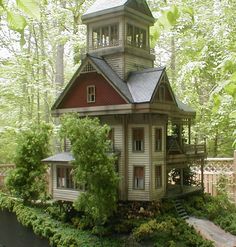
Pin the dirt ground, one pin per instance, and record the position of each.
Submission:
(212, 232)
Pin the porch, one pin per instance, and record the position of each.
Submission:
(177, 191)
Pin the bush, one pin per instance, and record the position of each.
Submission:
(165, 228)
(27, 180)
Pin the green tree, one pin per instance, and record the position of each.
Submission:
(94, 167)
(27, 180)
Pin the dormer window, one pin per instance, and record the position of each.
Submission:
(91, 94)
(105, 36)
(136, 36)
(161, 93)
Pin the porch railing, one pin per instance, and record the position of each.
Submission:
(176, 147)
(194, 149)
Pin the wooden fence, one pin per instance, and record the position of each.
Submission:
(219, 171)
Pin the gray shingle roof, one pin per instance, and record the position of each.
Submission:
(183, 106)
(60, 157)
(142, 84)
(101, 5)
(112, 76)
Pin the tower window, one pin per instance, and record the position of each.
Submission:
(136, 36)
(105, 36)
(91, 96)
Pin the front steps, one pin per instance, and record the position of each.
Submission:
(180, 209)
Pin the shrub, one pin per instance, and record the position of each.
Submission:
(27, 180)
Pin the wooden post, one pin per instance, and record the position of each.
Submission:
(181, 179)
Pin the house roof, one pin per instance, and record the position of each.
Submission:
(106, 70)
(142, 84)
(101, 7)
(60, 157)
(139, 88)
(67, 157)
(184, 107)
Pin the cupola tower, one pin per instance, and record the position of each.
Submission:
(118, 30)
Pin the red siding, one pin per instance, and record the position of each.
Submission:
(77, 95)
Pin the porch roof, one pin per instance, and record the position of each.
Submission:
(60, 157)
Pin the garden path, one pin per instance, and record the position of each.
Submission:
(212, 232)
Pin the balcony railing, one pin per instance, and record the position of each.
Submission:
(191, 149)
(175, 147)
(114, 43)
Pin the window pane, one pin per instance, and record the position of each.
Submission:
(158, 177)
(138, 139)
(105, 36)
(129, 38)
(138, 177)
(158, 139)
(91, 94)
(114, 35)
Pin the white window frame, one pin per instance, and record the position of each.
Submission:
(91, 96)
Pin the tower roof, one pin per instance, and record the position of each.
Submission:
(101, 7)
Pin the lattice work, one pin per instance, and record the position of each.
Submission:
(88, 68)
(216, 165)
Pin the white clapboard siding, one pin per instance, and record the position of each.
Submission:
(132, 63)
(138, 159)
(117, 63)
(61, 194)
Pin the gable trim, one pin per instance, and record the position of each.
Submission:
(75, 76)
(168, 86)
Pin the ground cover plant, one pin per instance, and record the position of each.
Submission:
(59, 234)
(154, 224)
(218, 209)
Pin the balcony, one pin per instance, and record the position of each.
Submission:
(114, 44)
(178, 151)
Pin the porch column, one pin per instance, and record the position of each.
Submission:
(181, 179)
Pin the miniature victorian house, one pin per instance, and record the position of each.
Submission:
(118, 83)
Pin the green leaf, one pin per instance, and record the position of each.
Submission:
(1, 3)
(16, 22)
(30, 7)
(231, 89)
(233, 77)
(190, 11)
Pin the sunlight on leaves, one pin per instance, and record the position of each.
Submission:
(16, 22)
(30, 7)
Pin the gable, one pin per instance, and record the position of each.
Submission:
(140, 6)
(163, 92)
(76, 96)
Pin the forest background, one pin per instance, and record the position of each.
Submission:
(42, 44)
